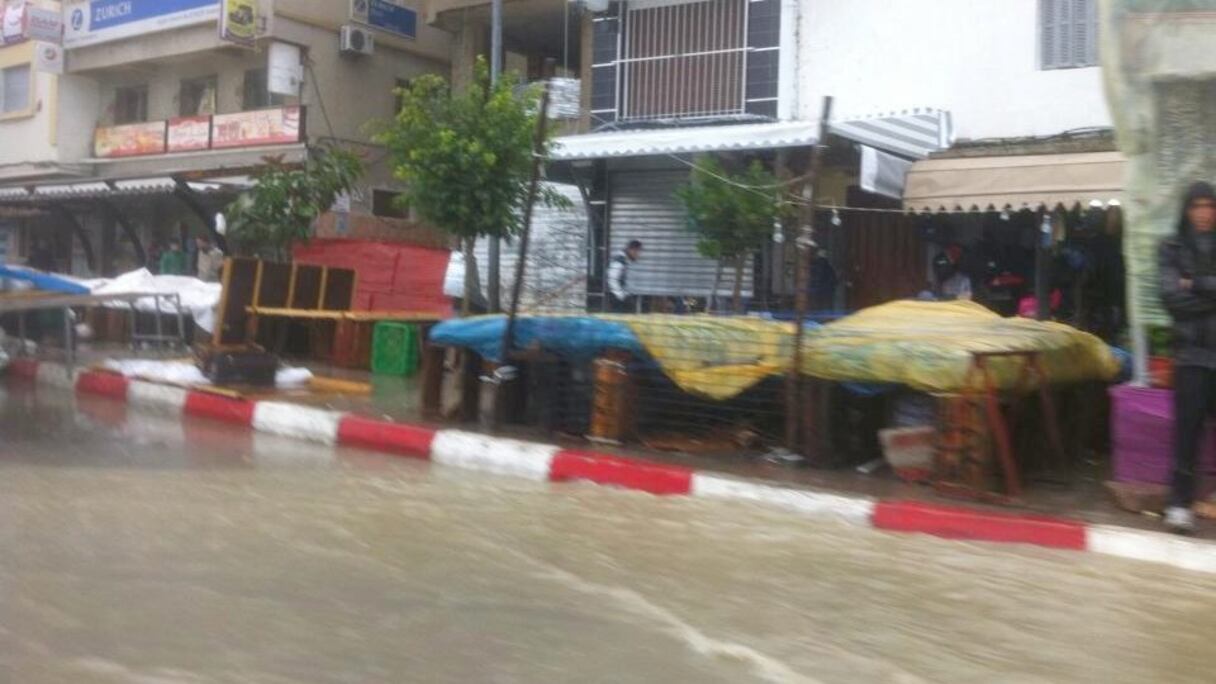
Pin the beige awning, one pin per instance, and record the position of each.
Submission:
(1016, 182)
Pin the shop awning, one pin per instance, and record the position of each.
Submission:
(692, 140)
(914, 135)
(44, 192)
(1016, 182)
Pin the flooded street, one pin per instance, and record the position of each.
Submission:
(143, 550)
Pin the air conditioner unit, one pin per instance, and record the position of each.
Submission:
(357, 41)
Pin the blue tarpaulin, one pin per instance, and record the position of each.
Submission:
(43, 281)
(577, 338)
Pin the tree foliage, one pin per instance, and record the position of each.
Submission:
(732, 212)
(285, 201)
(465, 156)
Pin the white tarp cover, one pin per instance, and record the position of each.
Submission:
(188, 374)
(198, 298)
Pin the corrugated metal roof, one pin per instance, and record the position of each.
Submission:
(914, 134)
(644, 143)
(124, 188)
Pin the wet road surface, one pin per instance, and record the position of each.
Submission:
(144, 550)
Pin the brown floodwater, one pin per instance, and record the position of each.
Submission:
(136, 549)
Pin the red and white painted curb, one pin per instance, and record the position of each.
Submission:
(543, 462)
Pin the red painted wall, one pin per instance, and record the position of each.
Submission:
(391, 276)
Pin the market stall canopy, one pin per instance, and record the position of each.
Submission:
(1016, 181)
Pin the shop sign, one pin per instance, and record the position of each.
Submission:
(261, 127)
(14, 23)
(89, 22)
(43, 24)
(284, 71)
(239, 22)
(48, 58)
(23, 21)
(131, 140)
(390, 16)
(189, 133)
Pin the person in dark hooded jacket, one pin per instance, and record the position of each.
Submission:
(1187, 268)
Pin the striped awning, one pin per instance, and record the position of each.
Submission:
(914, 135)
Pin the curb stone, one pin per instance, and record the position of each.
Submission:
(537, 461)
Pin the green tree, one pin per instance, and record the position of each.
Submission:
(465, 156)
(732, 213)
(281, 207)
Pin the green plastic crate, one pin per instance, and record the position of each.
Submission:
(396, 349)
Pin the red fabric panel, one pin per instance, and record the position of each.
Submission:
(390, 275)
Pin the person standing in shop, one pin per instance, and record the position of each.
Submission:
(210, 259)
(621, 300)
(1187, 269)
(173, 259)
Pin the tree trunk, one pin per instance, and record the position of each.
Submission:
(469, 265)
(713, 294)
(739, 284)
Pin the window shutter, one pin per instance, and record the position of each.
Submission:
(1047, 32)
(1064, 33)
(1082, 37)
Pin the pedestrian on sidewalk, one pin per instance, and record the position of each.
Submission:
(620, 298)
(1187, 269)
(173, 260)
(210, 259)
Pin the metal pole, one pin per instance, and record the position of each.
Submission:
(495, 247)
(533, 188)
(806, 216)
(69, 351)
(1042, 271)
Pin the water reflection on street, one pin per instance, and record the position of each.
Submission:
(141, 549)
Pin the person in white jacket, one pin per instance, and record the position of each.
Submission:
(620, 298)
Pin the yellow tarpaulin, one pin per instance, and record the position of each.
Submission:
(714, 356)
(927, 346)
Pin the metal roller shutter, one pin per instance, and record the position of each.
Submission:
(644, 207)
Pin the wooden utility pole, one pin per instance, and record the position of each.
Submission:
(806, 219)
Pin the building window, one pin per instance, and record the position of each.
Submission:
(256, 93)
(15, 89)
(197, 96)
(684, 60)
(1068, 33)
(384, 203)
(131, 105)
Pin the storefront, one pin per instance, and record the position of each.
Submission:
(148, 184)
(1036, 234)
(629, 179)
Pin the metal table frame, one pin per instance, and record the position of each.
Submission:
(164, 303)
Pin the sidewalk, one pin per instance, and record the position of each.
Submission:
(1046, 519)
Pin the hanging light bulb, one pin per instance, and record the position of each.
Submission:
(1005, 214)
(836, 220)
